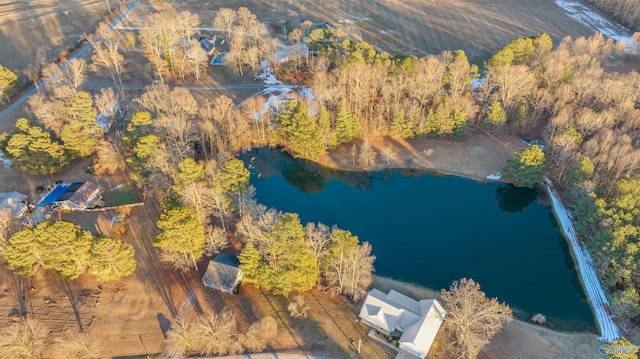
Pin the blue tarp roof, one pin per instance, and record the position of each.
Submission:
(54, 195)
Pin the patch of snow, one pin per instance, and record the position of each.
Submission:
(308, 93)
(266, 75)
(494, 176)
(584, 15)
(7, 163)
(609, 331)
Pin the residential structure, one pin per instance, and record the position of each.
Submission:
(223, 273)
(73, 196)
(414, 323)
(15, 202)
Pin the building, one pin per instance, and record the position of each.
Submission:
(223, 273)
(15, 202)
(414, 323)
(73, 196)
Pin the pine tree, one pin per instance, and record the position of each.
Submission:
(32, 150)
(495, 116)
(302, 135)
(81, 134)
(528, 168)
(251, 264)
(347, 126)
(8, 82)
(61, 246)
(181, 236)
(111, 259)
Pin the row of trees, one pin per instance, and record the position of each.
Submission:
(218, 334)
(68, 250)
(627, 11)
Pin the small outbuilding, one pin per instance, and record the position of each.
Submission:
(223, 273)
(15, 202)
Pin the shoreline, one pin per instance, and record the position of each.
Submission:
(518, 338)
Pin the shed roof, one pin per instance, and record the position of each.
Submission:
(223, 270)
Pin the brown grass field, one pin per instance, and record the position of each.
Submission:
(129, 317)
(479, 27)
(36, 30)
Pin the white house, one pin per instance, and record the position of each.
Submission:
(417, 321)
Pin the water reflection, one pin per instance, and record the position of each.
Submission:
(512, 199)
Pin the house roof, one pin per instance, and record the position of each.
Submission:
(418, 321)
(79, 192)
(13, 201)
(223, 270)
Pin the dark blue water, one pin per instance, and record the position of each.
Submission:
(432, 229)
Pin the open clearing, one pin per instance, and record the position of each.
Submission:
(37, 30)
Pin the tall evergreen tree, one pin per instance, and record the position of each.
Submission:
(347, 126)
(181, 237)
(8, 82)
(32, 150)
(111, 259)
(81, 134)
(301, 133)
(528, 168)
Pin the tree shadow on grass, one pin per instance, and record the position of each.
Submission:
(307, 333)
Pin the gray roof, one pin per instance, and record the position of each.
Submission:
(13, 201)
(79, 192)
(223, 270)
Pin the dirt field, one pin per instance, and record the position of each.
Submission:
(476, 155)
(34, 29)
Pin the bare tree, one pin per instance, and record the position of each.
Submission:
(74, 73)
(295, 36)
(225, 18)
(109, 158)
(198, 59)
(215, 241)
(388, 153)
(6, 222)
(107, 60)
(298, 308)
(23, 340)
(215, 332)
(472, 319)
(182, 336)
(367, 155)
(107, 104)
(318, 238)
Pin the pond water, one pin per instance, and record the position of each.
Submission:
(431, 229)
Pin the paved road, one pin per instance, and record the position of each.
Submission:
(77, 54)
(190, 87)
(270, 356)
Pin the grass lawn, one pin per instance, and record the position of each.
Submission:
(121, 197)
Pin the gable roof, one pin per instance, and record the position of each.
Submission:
(419, 321)
(223, 270)
(78, 192)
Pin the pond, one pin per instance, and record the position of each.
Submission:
(431, 229)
